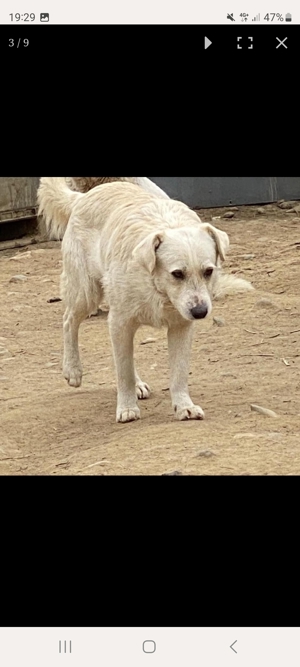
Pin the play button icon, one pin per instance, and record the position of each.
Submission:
(207, 42)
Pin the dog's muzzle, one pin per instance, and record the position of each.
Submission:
(200, 311)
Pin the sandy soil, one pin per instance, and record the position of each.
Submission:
(48, 428)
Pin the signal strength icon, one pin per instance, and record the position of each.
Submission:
(256, 18)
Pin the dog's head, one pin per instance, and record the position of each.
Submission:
(184, 263)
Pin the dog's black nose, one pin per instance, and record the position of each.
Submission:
(199, 311)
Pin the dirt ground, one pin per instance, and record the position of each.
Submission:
(48, 428)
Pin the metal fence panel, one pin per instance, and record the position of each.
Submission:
(211, 192)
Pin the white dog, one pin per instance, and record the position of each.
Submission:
(156, 263)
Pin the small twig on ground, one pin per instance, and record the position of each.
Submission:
(266, 355)
(254, 332)
(262, 342)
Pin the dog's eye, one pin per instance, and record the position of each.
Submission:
(178, 274)
(208, 272)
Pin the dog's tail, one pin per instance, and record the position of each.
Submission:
(228, 284)
(56, 201)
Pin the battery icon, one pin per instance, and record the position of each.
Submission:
(288, 17)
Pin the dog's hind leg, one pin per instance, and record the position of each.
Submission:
(122, 334)
(179, 342)
(72, 369)
(79, 304)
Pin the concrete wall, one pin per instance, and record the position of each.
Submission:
(211, 192)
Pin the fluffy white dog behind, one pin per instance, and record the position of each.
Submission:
(154, 262)
(84, 184)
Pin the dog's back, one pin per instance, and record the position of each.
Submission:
(58, 195)
(84, 184)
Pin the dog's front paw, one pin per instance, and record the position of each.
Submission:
(142, 390)
(191, 412)
(73, 375)
(128, 415)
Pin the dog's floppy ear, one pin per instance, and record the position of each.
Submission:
(220, 238)
(144, 252)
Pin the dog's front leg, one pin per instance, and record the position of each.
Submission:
(122, 334)
(179, 342)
